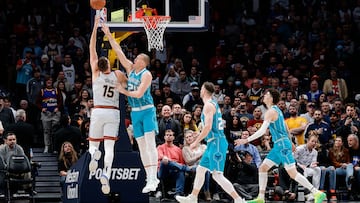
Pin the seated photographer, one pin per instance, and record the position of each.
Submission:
(10, 147)
(287, 187)
(243, 173)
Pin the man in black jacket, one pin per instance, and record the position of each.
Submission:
(243, 173)
(167, 122)
(68, 133)
(23, 130)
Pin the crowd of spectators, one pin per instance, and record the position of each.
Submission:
(306, 49)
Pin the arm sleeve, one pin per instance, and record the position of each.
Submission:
(260, 132)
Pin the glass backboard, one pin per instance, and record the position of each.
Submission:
(186, 15)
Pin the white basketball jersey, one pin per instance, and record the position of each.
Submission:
(69, 74)
(104, 90)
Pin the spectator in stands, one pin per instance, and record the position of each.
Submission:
(243, 113)
(8, 104)
(232, 130)
(177, 112)
(218, 95)
(255, 123)
(349, 125)
(171, 78)
(226, 105)
(337, 106)
(50, 102)
(309, 114)
(188, 123)
(296, 125)
(243, 173)
(68, 133)
(65, 96)
(354, 151)
(306, 158)
(168, 93)
(255, 92)
(61, 77)
(171, 162)
(322, 129)
(6, 114)
(196, 114)
(314, 92)
(67, 158)
(192, 99)
(265, 145)
(24, 68)
(287, 187)
(34, 85)
(340, 160)
(325, 109)
(194, 75)
(336, 85)
(167, 122)
(250, 148)
(192, 159)
(9, 148)
(182, 85)
(23, 131)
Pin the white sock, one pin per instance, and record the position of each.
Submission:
(199, 178)
(109, 156)
(225, 184)
(152, 153)
(263, 178)
(143, 155)
(305, 182)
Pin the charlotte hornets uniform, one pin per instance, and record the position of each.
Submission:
(143, 114)
(214, 156)
(282, 150)
(105, 116)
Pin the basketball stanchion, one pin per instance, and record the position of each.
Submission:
(155, 27)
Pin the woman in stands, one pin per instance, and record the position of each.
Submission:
(340, 160)
(192, 158)
(67, 158)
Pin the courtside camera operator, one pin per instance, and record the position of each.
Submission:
(244, 174)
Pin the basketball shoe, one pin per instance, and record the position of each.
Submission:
(93, 165)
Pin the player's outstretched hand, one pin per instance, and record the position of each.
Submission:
(120, 88)
(105, 29)
(240, 141)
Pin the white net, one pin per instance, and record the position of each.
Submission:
(154, 27)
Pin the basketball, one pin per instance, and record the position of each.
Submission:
(97, 4)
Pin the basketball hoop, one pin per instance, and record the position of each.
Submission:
(154, 27)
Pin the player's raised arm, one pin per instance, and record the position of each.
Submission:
(92, 45)
(126, 63)
(139, 92)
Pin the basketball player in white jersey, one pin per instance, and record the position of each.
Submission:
(105, 116)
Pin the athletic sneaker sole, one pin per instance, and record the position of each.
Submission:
(105, 185)
(93, 165)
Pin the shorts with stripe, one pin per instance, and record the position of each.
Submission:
(104, 122)
(144, 121)
(214, 156)
(282, 152)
